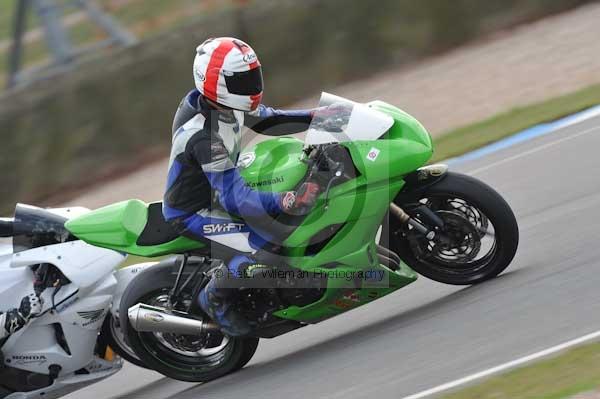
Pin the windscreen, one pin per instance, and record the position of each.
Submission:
(339, 120)
(35, 227)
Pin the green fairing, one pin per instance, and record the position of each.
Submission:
(342, 294)
(276, 166)
(361, 204)
(358, 206)
(118, 227)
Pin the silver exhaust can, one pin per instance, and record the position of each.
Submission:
(146, 318)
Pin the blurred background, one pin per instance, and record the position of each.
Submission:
(90, 87)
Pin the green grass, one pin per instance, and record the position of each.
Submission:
(7, 13)
(36, 53)
(564, 376)
(151, 10)
(471, 137)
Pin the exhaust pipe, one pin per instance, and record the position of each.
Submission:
(145, 318)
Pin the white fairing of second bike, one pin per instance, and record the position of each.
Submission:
(5, 249)
(80, 262)
(79, 309)
(98, 370)
(124, 276)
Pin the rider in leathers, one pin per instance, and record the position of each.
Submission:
(205, 149)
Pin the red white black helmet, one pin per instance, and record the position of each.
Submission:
(227, 71)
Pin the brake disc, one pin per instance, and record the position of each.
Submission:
(459, 242)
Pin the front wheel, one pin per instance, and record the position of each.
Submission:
(478, 238)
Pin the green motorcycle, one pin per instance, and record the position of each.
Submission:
(382, 218)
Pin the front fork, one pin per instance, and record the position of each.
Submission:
(405, 218)
(426, 222)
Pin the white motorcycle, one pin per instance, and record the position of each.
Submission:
(76, 340)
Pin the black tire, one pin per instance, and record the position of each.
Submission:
(160, 278)
(116, 345)
(491, 204)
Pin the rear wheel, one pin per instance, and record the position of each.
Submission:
(478, 240)
(182, 357)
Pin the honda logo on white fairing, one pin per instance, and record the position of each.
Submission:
(29, 359)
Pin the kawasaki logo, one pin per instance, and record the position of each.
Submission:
(218, 228)
(268, 182)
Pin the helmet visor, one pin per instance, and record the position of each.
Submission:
(247, 83)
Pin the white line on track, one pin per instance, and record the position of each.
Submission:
(506, 366)
(533, 150)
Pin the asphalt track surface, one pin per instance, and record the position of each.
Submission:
(428, 333)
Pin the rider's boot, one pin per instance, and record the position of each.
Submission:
(216, 299)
